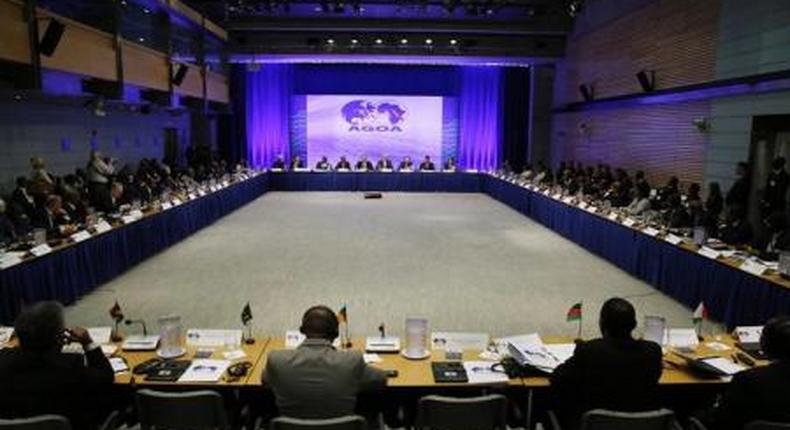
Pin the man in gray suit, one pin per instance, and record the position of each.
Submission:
(315, 381)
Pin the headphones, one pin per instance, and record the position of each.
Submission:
(240, 369)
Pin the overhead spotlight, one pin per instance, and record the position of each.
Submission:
(330, 41)
(404, 41)
(379, 41)
(453, 42)
(429, 41)
(141, 39)
(146, 10)
(354, 42)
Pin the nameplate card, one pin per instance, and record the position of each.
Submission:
(80, 236)
(166, 206)
(583, 205)
(275, 170)
(546, 192)
(128, 219)
(556, 196)
(201, 193)
(176, 202)
(102, 227)
(40, 250)
(629, 222)
(225, 184)
(708, 252)
(650, 231)
(592, 209)
(459, 341)
(386, 170)
(9, 260)
(613, 216)
(471, 170)
(137, 213)
(673, 239)
(192, 196)
(568, 200)
(753, 267)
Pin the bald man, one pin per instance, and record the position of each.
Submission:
(316, 381)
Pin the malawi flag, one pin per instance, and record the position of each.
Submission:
(575, 312)
(700, 314)
(342, 316)
(116, 313)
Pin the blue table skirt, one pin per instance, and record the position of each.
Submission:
(374, 181)
(67, 274)
(731, 295)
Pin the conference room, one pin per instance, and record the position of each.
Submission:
(379, 214)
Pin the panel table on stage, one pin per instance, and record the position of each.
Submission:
(411, 373)
(253, 355)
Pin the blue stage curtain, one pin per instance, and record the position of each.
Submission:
(268, 94)
(480, 116)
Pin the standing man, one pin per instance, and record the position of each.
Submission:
(775, 191)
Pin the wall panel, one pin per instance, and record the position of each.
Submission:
(145, 67)
(14, 44)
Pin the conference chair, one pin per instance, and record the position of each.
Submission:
(450, 413)
(41, 422)
(350, 422)
(193, 410)
(602, 419)
(754, 425)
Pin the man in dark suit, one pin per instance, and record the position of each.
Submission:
(406, 165)
(775, 191)
(615, 372)
(427, 164)
(364, 165)
(279, 163)
(739, 192)
(7, 230)
(39, 379)
(316, 381)
(296, 163)
(384, 164)
(323, 165)
(343, 164)
(761, 393)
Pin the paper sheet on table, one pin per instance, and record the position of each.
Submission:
(562, 351)
(211, 337)
(236, 354)
(100, 335)
(205, 370)
(109, 349)
(533, 354)
(749, 334)
(725, 366)
(118, 365)
(682, 338)
(371, 358)
(5, 334)
(479, 372)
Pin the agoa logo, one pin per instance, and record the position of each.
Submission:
(368, 116)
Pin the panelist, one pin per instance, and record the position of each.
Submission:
(449, 165)
(615, 372)
(364, 165)
(406, 165)
(297, 163)
(343, 164)
(384, 164)
(316, 381)
(427, 165)
(40, 379)
(760, 393)
(279, 163)
(323, 165)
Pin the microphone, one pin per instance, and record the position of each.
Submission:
(139, 321)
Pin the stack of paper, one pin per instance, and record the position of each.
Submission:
(724, 366)
(683, 339)
(205, 370)
(5, 334)
(749, 334)
(459, 340)
(100, 335)
(529, 350)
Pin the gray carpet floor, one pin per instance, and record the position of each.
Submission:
(464, 261)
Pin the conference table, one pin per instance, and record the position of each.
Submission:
(72, 268)
(732, 294)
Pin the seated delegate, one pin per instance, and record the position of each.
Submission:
(279, 163)
(315, 380)
(343, 164)
(427, 165)
(384, 164)
(406, 165)
(615, 372)
(37, 378)
(323, 165)
(297, 163)
(364, 165)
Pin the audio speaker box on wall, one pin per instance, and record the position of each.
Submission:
(180, 74)
(587, 92)
(647, 81)
(51, 38)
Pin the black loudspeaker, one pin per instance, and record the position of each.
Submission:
(181, 73)
(587, 92)
(51, 38)
(647, 80)
(373, 195)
